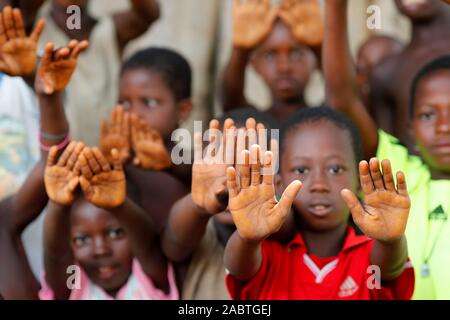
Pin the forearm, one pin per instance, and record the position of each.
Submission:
(242, 258)
(340, 76)
(144, 241)
(185, 229)
(53, 119)
(233, 83)
(57, 249)
(390, 257)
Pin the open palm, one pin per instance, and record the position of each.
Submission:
(386, 208)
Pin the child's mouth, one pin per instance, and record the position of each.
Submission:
(320, 210)
(106, 272)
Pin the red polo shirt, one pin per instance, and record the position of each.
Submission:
(287, 272)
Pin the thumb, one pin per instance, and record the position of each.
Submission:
(353, 203)
(289, 195)
(117, 164)
(73, 183)
(85, 185)
(136, 161)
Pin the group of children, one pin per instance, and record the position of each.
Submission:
(351, 214)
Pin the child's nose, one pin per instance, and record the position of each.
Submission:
(101, 247)
(283, 64)
(319, 182)
(443, 123)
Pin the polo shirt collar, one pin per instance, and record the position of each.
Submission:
(351, 240)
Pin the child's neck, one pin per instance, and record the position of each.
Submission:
(435, 28)
(60, 16)
(325, 244)
(282, 110)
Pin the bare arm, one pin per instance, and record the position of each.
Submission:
(340, 76)
(136, 21)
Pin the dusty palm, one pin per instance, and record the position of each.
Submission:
(385, 211)
(252, 22)
(117, 135)
(256, 212)
(17, 51)
(102, 186)
(60, 178)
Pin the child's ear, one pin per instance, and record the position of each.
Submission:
(184, 109)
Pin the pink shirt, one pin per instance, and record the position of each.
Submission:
(138, 287)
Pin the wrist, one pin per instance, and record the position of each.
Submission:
(199, 210)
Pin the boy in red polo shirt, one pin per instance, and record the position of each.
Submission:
(327, 258)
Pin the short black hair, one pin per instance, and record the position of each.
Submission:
(172, 66)
(241, 115)
(316, 114)
(441, 63)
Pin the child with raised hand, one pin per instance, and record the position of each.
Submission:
(109, 239)
(280, 43)
(428, 175)
(200, 224)
(327, 258)
(155, 97)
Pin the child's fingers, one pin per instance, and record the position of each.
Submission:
(101, 159)
(85, 169)
(119, 119)
(62, 53)
(214, 126)
(104, 128)
(244, 170)
(134, 130)
(77, 168)
(92, 162)
(18, 22)
(48, 56)
(36, 34)
(62, 161)
(136, 162)
(198, 146)
(74, 155)
(230, 135)
(126, 124)
(353, 204)
(255, 165)
(85, 185)
(375, 173)
(51, 158)
(113, 121)
(3, 37)
(240, 146)
(387, 175)
(117, 164)
(275, 152)
(231, 182)
(262, 139)
(267, 170)
(73, 183)
(402, 188)
(288, 196)
(365, 178)
(8, 20)
(83, 45)
(250, 124)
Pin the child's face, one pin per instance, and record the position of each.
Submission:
(100, 246)
(144, 93)
(431, 123)
(418, 9)
(320, 155)
(284, 64)
(67, 3)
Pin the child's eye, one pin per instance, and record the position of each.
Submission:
(269, 55)
(297, 54)
(125, 104)
(115, 233)
(80, 241)
(335, 169)
(151, 103)
(301, 170)
(426, 116)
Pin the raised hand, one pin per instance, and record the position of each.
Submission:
(256, 212)
(103, 186)
(304, 19)
(252, 22)
(385, 211)
(148, 146)
(61, 177)
(18, 53)
(117, 135)
(209, 171)
(57, 66)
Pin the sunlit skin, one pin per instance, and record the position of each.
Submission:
(284, 64)
(431, 123)
(325, 166)
(100, 246)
